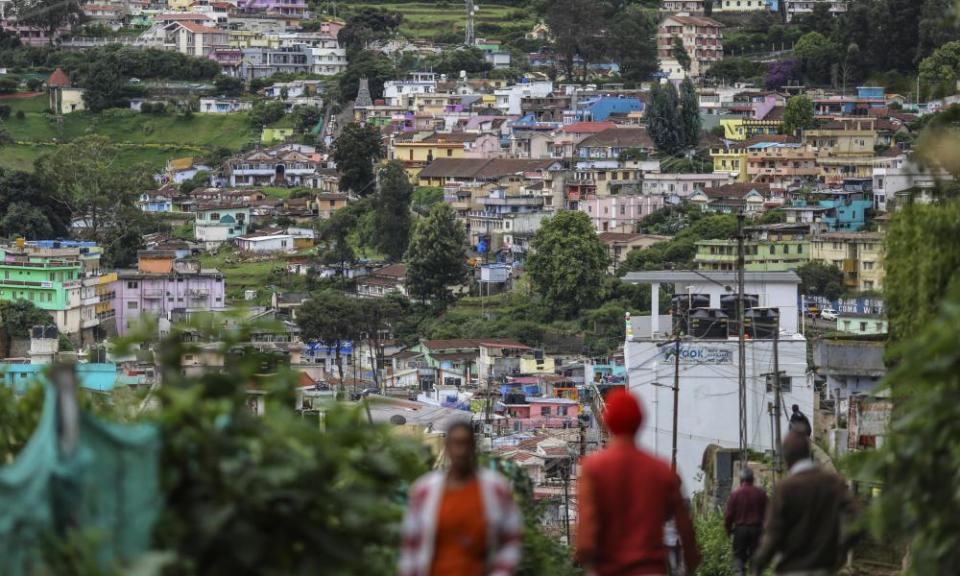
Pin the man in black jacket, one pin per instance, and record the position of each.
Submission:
(806, 518)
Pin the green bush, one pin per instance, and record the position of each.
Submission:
(715, 546)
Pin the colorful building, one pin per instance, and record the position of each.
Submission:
(61, 277)
(770, 248)
(781, 165)
(858, 254)
(219, 223)
(702, 39)
(162, 284)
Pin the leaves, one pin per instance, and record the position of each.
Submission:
(436, 260)
(392, 216)
(798, 115)
(355, 151)
(568, 263)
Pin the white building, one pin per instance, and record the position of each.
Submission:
(266, 243)
(897, 178)
(683, 185)
(508, 99)
(702, 40)
(708, 411)
(327, 57)
(803, 7)
(401, 92)
(740, 5)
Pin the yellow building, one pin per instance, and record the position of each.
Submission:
(740, 129)
(845, 148)
(64, 98)
(179, 5)
(530, 364)
(731, 161)
(858, 254)
(417, 153)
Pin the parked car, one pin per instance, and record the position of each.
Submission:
(828, 314)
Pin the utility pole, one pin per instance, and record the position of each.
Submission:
(470, 13)
(741, 342)
(778, 452)
(676, 395)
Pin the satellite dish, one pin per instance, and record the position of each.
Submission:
(398, 420)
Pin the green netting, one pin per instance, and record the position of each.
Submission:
(108, 489)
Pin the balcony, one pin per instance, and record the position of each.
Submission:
(152, 294)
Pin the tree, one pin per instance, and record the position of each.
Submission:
(103, 86)
(393, 211)
(663, 118)
(468, 59)
(49, 15)
(680, 54)
(228, 85)
(819, 279)
(568, 263)
(332, 319)
(436, 260)
(818, 20)
(35, 212)
(355, 151)
(690, 113)
(18, 316)
(798, 115)
(335, 232)
(83, 176)
(636, 46)
(939, 71)
(368, 25)
(780, 73)
(9, 85)
(817, 55)
(574, 25)
(22, 219)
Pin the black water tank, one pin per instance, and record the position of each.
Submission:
(763, 322)
(708, 323)
(678, 309)
(728, 303)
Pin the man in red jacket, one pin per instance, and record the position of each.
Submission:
(743, 519)
(625, 496)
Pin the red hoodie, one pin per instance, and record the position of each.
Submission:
(625, 497)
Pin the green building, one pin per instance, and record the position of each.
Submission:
(769, 248)
(61, 277)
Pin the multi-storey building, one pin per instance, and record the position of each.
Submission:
(162, 284)
(327, 57)
(858, 254)
(682, 5)
(283, 165)
(845, 148)
(702, 40)
(797, 8)
(63, 278)
(768, 248)
(620, 213)
(781, 165)
(741, 5)
(220, 222)
(897, 180)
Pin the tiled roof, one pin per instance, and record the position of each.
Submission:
(737, 190)
(619, 138)
(695, 21)
(615, 237)
(397, 271)
(588, 127)
(59, 79)
(470, 343)
(481, 168)
(201, 29)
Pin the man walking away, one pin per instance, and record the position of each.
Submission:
(625, 496)
(461, 522)
(807, 517)
(743, 520)
(799, 422)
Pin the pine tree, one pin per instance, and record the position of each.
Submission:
(663, 119)
(393, 211)
(690, 114)
(436, 260)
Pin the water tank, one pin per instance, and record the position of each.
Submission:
(678, 308)
(728, 303)
(708, 323)
(763, 322)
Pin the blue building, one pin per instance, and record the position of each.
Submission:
(94, 376)
(600, 108)
(846, 210)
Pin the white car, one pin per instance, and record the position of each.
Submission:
(828, 314)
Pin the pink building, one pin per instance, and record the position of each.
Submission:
(542, 413)
(619, 213)
(161, 284)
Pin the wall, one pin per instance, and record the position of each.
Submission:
(709, 400)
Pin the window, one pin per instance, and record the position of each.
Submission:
(786, 249)
(411, 155)
(868, 285)
(799, 248)
(867, 265)
(214, 215)
(879, 326)
(786, 383)
(773, 250)
(623, 210)
(132, 305)
(545, 411)
(863, 326)
(133, 285)
(449, 152)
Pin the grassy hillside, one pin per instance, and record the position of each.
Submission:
(143, 138)
(429, 20)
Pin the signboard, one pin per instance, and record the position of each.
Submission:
(697, 354)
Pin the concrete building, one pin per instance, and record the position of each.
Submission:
(217, 223)
(326, 56)
(619, 244)
(702, 39)
(862, 324)
(897, 180)
(708, 412)
(769, 248)
(797, 8)
(858, 254)
(741, 5)
(682, 185)
(266, 242)
(620, 213)
(161, 284)
(781, 165)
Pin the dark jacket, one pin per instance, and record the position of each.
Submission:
(805, 521)
(747, 506)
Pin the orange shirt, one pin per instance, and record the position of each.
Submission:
(460, 548)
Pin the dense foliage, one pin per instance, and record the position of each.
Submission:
(568, 263)
(28, 209)
(436, 260)
(688, 224)
(131, 62)
(715, 546)
(392, 205)
(798, 115)
(921, 508)
(355, 151)
(819, 279)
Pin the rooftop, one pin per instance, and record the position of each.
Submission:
(665, 276)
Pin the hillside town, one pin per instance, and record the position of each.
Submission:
(236, 221)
